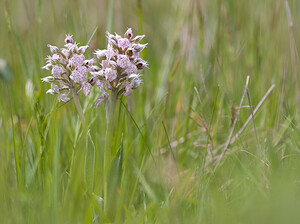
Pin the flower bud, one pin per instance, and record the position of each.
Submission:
(138, 38)
(141, 64)
(139, 47)
(94, 68)
(47, 66)
(112, 40)
(129, 52)
(48, 79)
(88, 62)
(113, 64)
(100, 54)
(128, 33)
(51, 91)
(92, 80)
(71, 66)
(69, 39)
(53, 49)
(82, 49)
(133, 76)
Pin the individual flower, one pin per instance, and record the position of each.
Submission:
(69, 69)
(120, 65)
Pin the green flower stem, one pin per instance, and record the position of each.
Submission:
(78, 107)
(110, 112)
(89, 164)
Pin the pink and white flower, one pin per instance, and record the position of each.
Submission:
(69, 69)
(120, 65)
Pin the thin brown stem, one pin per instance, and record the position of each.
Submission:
(233, 126)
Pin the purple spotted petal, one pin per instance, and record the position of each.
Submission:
(57, 71)
(123, 61)
(110, 74)
(77, 59)
(86, 88)
(63, 97)
(123, 43)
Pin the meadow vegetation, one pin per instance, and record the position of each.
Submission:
(187, 147)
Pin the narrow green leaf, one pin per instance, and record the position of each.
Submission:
(89, 162)
(114, 182)
(17, 163)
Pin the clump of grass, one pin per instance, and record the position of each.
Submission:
(167, 138)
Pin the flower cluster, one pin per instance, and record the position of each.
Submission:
(69, 69)
(120, 64)
(120, 67)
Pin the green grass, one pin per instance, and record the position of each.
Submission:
(169, 133)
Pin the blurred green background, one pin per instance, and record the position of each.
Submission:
(200, 53)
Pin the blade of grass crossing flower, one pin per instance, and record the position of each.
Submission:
(40, 9)
(56, 166)
(21, 50)
(151, 115)
(141, 23)
(95, 30)
(145, 184)
(78, 107)
(139, 130)
(32, 171)
(173, 155)
(110, 21)
(133, 192)
(209, 129)
(4, 128)
(89, 162)
(140, 15)
(17, 163)
(114, 182)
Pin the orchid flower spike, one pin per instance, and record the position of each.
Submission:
(69, 69)
(121, 65)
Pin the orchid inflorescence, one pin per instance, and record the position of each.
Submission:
(119, 67)
(69, 69)
(116, 71)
